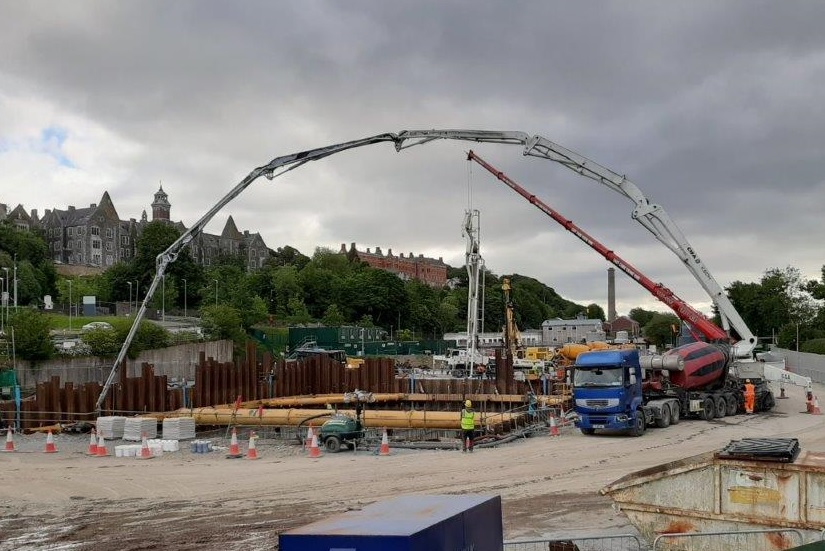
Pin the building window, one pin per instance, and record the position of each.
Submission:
(95, 231)
(96, 259)
(71, 231)
(109, 233)
(80, 259)
(109, 260)
(96, 244)
(124, 239)
(109, 246)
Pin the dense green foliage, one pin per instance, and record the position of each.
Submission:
(337, 289)
(31, 335)
(36, 275)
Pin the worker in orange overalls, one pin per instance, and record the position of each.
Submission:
(750, 396)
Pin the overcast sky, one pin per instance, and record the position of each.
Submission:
(714, 109)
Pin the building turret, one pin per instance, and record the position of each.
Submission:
(161, 206)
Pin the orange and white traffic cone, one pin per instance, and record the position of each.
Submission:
(554, 428)
(252, 451)
(385, 445)
(145, 452)
(101, 447)
(314, 450)
(50, 447)
(308, 441)
(9, 440)
(816, 410)
(92, 444)
(234, 448)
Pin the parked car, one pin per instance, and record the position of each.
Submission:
(96, 325)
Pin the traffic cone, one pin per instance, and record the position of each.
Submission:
(234, 449)
(554, 428)
(101, 447)
(816, 410)
(9, 440)
(50, 447)
(308, 441)
(314, 450)
(93, 444)
(145, 452)
(252, 451)
(385, 445)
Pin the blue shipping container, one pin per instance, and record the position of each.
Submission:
(407, 523)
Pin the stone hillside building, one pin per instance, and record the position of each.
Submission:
(427, 270)
(97, 238)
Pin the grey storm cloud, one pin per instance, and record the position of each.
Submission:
(711, 108)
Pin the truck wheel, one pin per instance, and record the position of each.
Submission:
(640, 426)
(587, 431)
(675, 413)
(721, 407)
(333, 444)
(767, 402)
(708, 409)
(664, 419)
(730, 400)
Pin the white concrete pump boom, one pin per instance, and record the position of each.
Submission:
(650, 215)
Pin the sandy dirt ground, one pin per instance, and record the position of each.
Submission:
(184, 501)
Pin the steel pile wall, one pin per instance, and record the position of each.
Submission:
(222, 383)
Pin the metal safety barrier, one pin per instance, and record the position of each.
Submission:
(745, 540)
(618, 542)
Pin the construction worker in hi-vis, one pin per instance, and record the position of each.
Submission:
(750, 396)
(468, 426)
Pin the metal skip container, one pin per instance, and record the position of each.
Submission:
(407, 523)
(715, 492)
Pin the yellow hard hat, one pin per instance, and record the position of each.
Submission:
(747, 380)
(468, 403)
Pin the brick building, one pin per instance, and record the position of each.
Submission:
(427, 270)
(96, 237)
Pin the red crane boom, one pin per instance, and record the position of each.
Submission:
(683, 310)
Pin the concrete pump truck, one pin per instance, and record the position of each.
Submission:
(650, 215)
(619, 390)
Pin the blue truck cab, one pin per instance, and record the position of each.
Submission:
(607, 391)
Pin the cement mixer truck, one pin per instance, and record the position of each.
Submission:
(619, 390)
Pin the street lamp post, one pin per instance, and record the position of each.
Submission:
(137, 292)
(8, 288)
(216, 292)
(797, 337)
(130, 297)
(362, 342)
(15, 283)
(163, 297)
(2, 319)
(70, 305)
(184, 298)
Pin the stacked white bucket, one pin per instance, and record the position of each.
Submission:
(156, 446)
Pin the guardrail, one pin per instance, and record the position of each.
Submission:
(618, 542)
(746, 540)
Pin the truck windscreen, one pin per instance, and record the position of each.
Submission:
(601, 376)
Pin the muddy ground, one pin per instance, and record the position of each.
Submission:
(184, 501)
